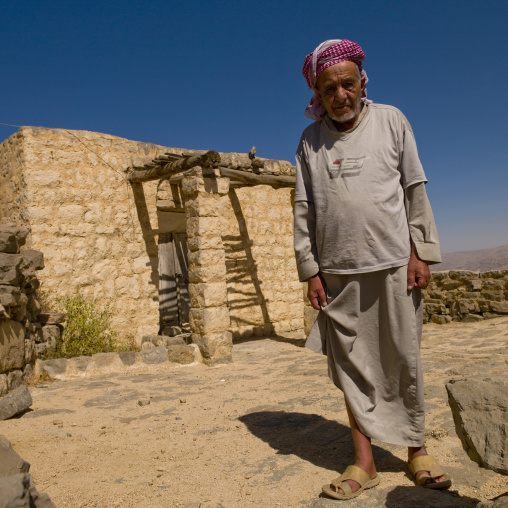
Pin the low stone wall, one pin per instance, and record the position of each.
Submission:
(155, 350)
(19, 307)
(463, 295)
(455, 295)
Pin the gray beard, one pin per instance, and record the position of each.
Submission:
(346, 118)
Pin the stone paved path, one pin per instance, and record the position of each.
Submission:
(266, 431)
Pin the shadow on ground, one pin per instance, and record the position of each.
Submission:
(324, 443)
(327, 444)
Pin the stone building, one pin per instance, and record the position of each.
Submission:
(202, 246)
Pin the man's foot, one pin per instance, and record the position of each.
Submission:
(426, 471)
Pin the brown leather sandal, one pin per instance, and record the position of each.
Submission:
(428, 463)
(351, 473)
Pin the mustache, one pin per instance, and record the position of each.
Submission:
(339, 104)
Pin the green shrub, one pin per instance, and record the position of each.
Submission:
(87, 329)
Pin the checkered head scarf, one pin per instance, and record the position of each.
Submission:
(326, 54)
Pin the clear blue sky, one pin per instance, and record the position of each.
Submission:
(226, 75)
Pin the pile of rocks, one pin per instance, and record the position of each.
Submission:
(19, 307)
(463, 295)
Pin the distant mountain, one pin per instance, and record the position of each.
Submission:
(477, 260)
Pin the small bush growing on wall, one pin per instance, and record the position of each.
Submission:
(87, 329)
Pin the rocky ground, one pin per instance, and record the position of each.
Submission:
(265, 431)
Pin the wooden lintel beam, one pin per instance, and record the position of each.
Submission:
(158, 171)
(248, 178)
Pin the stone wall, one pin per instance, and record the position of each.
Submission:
(264, 293)
(12, 184)
(455, 295)
(19, 307)
(99, 234)
(461, 295)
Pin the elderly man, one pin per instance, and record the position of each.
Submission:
(364, 235)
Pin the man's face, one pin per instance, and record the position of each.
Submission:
(339, 89)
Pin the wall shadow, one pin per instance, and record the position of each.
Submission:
(324, 443)
(243, 268)
(147, 231)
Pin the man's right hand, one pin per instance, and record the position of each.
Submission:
(316, 292)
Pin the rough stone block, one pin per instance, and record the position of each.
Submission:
(3, 384)
(12, 238)
(494, 274)
(475, 285)
(105, 360)
(10, 296)
(14, 379)
(18, 491)
(206, 242)
(467, 306)
(479, 408)
(80, 363)
(214, 345)
(10, 269)
(498, 502)
(208, 295)
(50, 333)
(12, 345)
(493, 283)
(29, 351)
(203, 226)
(40, 349)
(16, 402)
(434, 308)
(154, 355)
(440, 320)
(10, 462)
(208, 274)
(28, 373)
(448, 284)
(181, 354)
(211, 320)
(493, 294)
(462, 275)
(163, 340)
(54, 367)
(499, 307)
(204, 205)
(32, 260)
(51, 319)
(128, 357)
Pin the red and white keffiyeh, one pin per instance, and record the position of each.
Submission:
(326, 54)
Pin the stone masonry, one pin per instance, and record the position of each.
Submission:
(462, 295)
(99, 235)
(19, 307)
(209, 315)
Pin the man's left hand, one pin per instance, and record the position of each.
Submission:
(418, 273)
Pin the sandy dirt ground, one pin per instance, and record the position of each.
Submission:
(265, 431)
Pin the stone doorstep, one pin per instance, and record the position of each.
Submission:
(106, 363)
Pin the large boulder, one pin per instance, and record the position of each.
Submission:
(18, 491)
(14, 403)
(480, 412)
(10, 462)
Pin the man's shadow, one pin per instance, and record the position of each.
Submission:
(324, 443)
